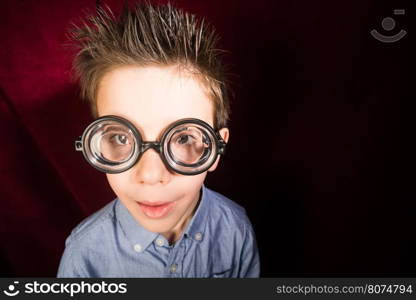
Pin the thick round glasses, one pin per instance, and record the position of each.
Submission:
(112, 144)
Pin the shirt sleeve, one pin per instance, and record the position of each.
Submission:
(250, 259)
(72, 265)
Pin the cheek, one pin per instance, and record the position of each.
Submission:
(191, 183)
(117, 182)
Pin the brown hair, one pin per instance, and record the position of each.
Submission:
(149, 35)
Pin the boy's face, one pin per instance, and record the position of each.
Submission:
(152, 98)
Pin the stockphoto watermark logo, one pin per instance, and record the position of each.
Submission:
(12, 289)
(388, 25)
(68, 288)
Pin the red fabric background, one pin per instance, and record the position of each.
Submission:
(316, 155)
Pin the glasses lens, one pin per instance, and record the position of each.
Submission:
(190, 148)
(110, 145)
(113, 143)
(188, 145)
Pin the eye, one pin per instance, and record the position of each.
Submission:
(120, 139)
(185, 139)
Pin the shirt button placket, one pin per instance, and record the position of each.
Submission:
(173, 268)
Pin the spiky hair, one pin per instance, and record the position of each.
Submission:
(149, 35)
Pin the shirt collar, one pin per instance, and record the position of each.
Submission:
(196, 226)
(137, 234)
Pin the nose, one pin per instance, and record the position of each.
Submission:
(151, 170)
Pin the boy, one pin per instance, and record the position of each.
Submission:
(154, 80)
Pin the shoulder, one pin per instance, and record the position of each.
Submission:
(91, 225)
(231, 237)
(87, 243)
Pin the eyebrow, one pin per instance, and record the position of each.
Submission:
(116, 127)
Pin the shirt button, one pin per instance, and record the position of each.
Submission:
(198, 236)
(137, 248)
(173, 268)
(160, 242)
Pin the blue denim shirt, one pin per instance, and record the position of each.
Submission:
(219, 241)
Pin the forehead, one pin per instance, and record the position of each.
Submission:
(153, 97)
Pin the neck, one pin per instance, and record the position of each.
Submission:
(175, 234)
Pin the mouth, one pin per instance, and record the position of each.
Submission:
(156, 210)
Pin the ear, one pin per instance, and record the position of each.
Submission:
(225, 134)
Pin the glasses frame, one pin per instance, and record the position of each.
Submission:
(158, 146)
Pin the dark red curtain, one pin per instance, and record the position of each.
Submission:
(318, 153)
